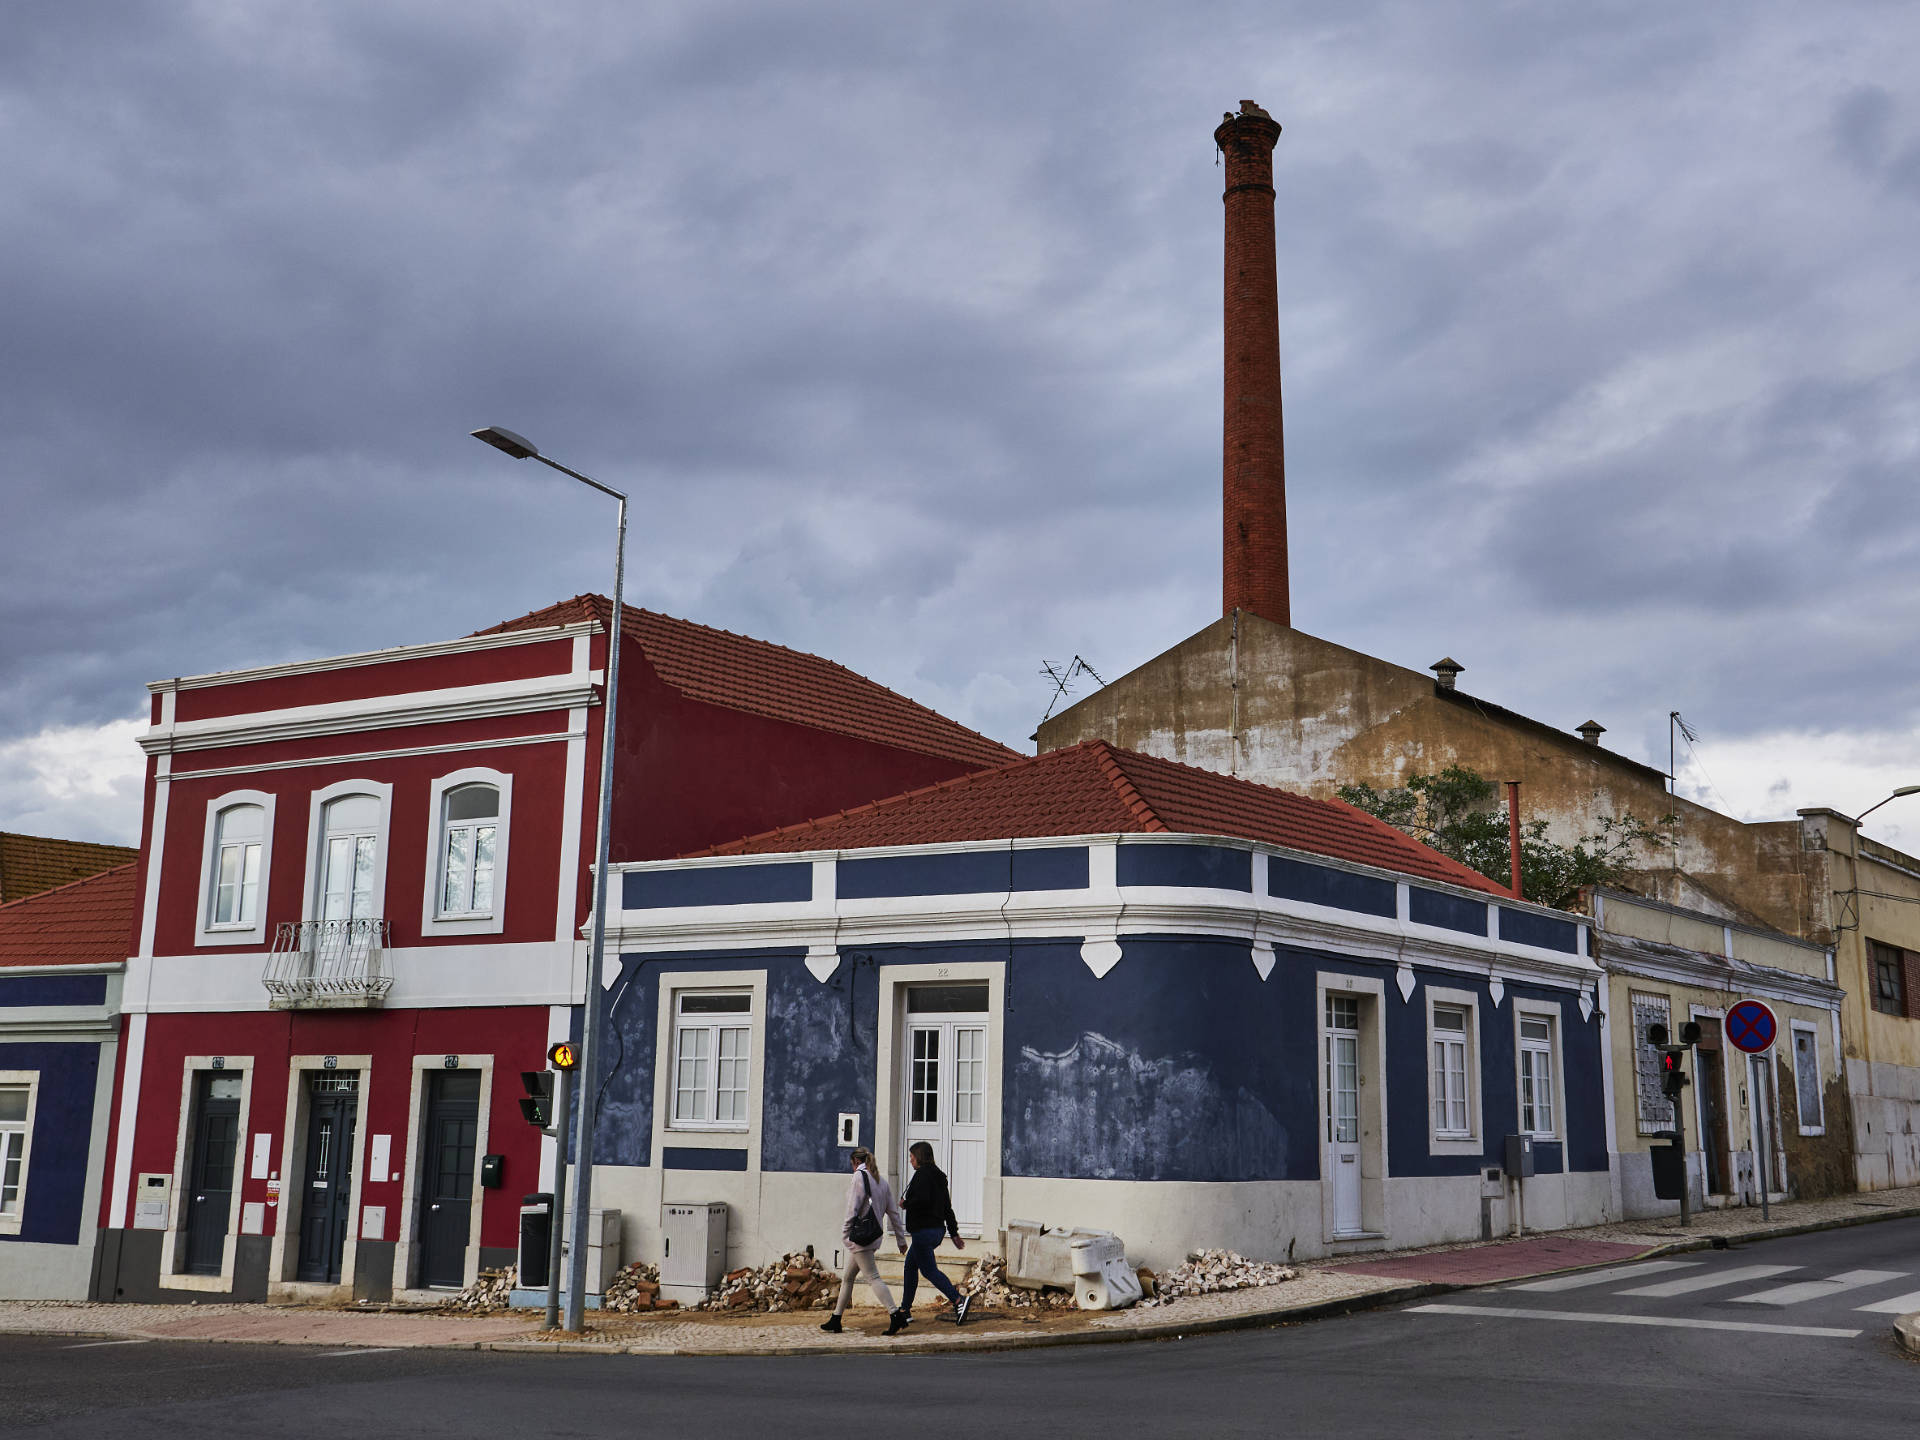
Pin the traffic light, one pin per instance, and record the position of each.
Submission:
(1673, 1079)
(537, 1104)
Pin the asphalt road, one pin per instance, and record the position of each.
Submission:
(1761, 1340)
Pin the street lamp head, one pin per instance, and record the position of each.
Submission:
(1905, 790)
(518, 446)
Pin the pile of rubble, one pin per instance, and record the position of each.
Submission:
(793, 1282)
(1208, 1272)
(491, 1290)
(636, 1287)
(989, 1288)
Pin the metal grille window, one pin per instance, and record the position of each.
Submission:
(1536, 1075)
(469, 825)
(1450, 1072)
(1655, 1109)
(1889, 978)
(1806, 1079)
(16, 1112)
(712, 1043)
(236, 870)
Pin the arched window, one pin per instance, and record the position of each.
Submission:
(350, 830)
(238, 834)
(469, 830)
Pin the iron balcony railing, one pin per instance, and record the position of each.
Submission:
(328, 964)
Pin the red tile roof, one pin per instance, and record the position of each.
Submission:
(741, 673)
(32, 863)
(89, 922)
(1093, 788)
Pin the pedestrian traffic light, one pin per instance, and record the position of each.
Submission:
(1673, 1079)
(1657, 1035)
(537, 1104)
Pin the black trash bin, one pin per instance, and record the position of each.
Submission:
(536, 1236)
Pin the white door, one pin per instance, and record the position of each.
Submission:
(946, 1105)
(1343, 1111)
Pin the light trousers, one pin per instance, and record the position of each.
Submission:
(861, 1262)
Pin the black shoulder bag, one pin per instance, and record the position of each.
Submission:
(865, 1228)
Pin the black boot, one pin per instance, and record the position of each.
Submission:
(832, 1324)
(898, 1321)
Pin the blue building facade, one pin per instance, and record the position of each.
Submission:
(1193, 1041)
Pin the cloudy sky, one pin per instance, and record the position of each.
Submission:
(1601, 333)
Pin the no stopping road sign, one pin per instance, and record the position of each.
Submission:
(1750, 1026)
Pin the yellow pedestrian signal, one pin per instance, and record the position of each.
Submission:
(562, 1056)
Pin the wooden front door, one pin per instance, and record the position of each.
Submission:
(216, 1142)
(446, 1201)
(326, 1188)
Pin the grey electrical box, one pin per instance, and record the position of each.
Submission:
(694, 1250)
(603, 1249)
(1520, 1156)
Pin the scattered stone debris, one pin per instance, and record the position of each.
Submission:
(1208, 1272)
(793, 1282)
(636, 1288)
(988, 1285)
(491, 1290)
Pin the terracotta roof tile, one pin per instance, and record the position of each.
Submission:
(1093, 788)
(32, 863)
(741, 673)
(89, 922)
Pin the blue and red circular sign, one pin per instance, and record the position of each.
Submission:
(1750, 1027)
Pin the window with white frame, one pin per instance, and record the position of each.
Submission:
(16, 1136)
(1806, 1080)
(469, 832)
(1452, 1116)
(1536, 1075)
(712, 1054)
(349, 857)
(239, 832)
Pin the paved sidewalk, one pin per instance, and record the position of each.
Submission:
(1323, 1288)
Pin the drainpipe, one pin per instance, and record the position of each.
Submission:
(1233, 684)
(1513, 833)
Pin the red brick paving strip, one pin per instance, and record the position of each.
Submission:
(1511, 1260)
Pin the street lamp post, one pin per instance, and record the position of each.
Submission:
(1897, 794)
(586, 1094)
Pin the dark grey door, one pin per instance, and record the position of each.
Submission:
(326, 1190)
(216, 1140)
(446, 1201)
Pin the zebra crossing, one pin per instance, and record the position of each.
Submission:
(1620, 1296)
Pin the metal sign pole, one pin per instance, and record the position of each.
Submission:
(1763, 1097)
(556, 1210)
(1680, 1141)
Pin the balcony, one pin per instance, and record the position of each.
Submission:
(328, 965)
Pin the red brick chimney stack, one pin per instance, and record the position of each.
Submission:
(1253, 455)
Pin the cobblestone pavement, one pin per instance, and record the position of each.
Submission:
(1321, 1285)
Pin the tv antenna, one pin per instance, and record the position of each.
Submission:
(1063, 677)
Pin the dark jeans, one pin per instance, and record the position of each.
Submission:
(920, 1262)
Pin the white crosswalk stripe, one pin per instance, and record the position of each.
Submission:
(1688, 1284)
(1805, 1290)
(1898, 1305)
(1584, 1278)
(1669, 1322)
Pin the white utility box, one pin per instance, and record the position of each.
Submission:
(694, 1254)
(603, 1250)
(153, 1202)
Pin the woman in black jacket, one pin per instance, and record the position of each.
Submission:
(929, 1213)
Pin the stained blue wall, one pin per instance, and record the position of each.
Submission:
(62, 1131)
(53, 990)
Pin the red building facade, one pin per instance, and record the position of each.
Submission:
(362, 887)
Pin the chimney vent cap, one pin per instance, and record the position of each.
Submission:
(1591, 731)
(1444, 671)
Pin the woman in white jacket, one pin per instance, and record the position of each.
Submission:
(868, 1194)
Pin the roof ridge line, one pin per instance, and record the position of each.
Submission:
(72, 884)
(1129, 793)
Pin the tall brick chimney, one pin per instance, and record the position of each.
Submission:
(1253, 453)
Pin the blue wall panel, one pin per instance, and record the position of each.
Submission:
(1450, 912)
(1206, 867)
(1523, 927)
(1409, 1079)
(1056, 867)
(820, 1061)
(1324, 885)
(967, 872)
(1180, 1065)
(62, 1131)
(788, 883)
(16, 990)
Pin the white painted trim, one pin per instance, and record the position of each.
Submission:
(129, 1110)
(566, 908)
(293, 1148)
(673, 984)
(156, 844)
(10, 1224)
(406, 1223)
(1794, 1027)
(1375, 1218)
(368, 757)
(431, 922)
(310, 895)
(1524, 1009)
(463, 645)
(1472, 1143)
(171, 1244)
(376, 712)
(205, 932)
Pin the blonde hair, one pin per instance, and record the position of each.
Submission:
(862, 1156)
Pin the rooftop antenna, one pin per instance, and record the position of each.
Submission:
(1063, 677)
